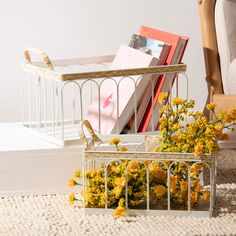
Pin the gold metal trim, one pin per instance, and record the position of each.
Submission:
(109, 73)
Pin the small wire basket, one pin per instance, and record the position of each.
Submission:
(101, 157)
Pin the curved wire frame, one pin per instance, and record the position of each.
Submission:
(91, 81)
(127, 182)
(53, 113)
(149, 166)
(189, 182)
(105, 170)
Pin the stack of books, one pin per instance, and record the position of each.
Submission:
(149, 47)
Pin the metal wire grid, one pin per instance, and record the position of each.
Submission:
(209, 161)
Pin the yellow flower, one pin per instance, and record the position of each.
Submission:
(175, 138)
(119, 181)
(194, 197)
(232, 113)
(148, 162)
(195, 171)
(208, 131)
(224, 137)
(211, 106)
(195, 181)
(198, 188)
(173, 183)
(121, 202)
(161, 174)
(122, 149)
(130, 190)
(72, 182)
(162, 96)
(218, 128)
(227, 119)
(72, 198)
(177, 101)
(134, 202)
(133, 166)
(78, 174)
(198, 149)
(162, 110)
(183, 186)
(92, 173)
(191, 103)
(116, 169)
(117, 191)
(206, 196)
(177, 126)
(119, 211)
(154, 166)
(114, 141)
(159, 190)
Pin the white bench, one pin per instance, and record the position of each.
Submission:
(29, 165)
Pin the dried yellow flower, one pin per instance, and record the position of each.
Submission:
(227, 119)
(224, 137)
(72, 182)
(232, 113)
(211, 106)
(71, 198)
(194, 197)
(114, 141)
(177, 101)
(119, 211)
(117, 191)
(119, 181)
(159, 190)
(198, 149)
(133, 166)
(177, 126)
(175, 138)
(162, 96)
(78, 174)
(218, 128)
(183, 186)
(206, 196)
(122, 149)
(173, 183)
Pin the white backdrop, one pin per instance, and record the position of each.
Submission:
(78, 28)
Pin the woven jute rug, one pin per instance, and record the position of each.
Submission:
(51, 215)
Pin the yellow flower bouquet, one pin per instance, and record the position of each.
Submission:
(199, 136)
(127, 183)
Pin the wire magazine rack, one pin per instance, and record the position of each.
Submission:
(56, 94)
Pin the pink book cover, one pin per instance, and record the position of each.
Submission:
(115, 112)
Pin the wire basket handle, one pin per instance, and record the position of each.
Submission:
(93, 137)
(43, 54)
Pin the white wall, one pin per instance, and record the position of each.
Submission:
(76, 28)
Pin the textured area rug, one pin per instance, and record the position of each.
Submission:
(51, 215)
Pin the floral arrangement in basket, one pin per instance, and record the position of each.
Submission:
(199, 137)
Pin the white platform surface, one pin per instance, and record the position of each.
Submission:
(14, 138)
(29, 165)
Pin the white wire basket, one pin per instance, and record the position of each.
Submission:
(56, 94)
(100, 156)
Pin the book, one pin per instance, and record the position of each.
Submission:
(114, 113)
(178, 45)
(158, 49)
